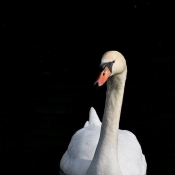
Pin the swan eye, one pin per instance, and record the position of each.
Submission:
(104, 72)
(107, 64)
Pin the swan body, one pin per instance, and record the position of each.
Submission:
(101, 148)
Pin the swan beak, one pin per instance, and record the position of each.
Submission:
(103, 76)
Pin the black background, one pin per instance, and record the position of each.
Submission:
(50, 53)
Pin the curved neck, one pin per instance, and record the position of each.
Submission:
(105, 160)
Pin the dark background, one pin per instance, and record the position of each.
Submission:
(50, 53)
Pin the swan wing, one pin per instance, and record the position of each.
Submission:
(82, 146)
(93, 118)
(131, 158)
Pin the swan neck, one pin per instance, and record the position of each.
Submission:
(113, 104)
(107, 149)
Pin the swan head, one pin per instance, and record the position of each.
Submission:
(112, 63)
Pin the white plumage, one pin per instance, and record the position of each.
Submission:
(117, 152)
(80, 152)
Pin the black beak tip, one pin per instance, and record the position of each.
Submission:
(96, 85)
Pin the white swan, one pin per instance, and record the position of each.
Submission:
(104, 149)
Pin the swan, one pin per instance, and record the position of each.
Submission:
(102, 148)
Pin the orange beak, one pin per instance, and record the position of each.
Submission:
(103, 76)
